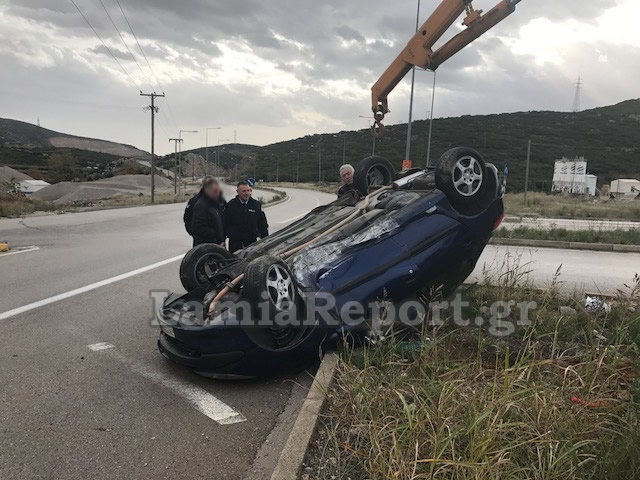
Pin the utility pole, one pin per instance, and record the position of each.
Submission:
(175, 164)
(277, 169)
(180, 151)
(526, 175)
(154, 110)
(298, 169)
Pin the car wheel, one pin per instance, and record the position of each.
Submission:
(373, 172)
(269, 278)
(192, 269)
(461, 175)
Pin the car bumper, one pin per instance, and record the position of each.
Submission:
(187, 357)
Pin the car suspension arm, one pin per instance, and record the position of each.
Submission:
(293, 251)
(419, 51)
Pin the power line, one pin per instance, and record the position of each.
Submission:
(122, 38)
(105, 45)
(147, 61)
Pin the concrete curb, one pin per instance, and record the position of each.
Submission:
(282, 200)
(290, 463)
(598, 247)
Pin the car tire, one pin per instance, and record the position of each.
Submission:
(373, 172)
(461, 175)
(192, 268)
(269, 278)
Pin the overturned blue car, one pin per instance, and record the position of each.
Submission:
(396, 239)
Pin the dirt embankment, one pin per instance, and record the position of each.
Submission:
(69, 192)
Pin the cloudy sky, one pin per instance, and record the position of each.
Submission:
(279, 69)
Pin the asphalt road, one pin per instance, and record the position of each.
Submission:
(85, 393)
(579, 270)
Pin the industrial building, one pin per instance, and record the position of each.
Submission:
(625, 188)
(570, 176)
(32, 186)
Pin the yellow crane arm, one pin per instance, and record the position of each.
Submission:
(419, 51)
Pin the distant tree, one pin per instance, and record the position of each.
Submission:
(130, 167)
(34, 173)
(62, 168)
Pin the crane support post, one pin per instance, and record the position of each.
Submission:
(419, 50)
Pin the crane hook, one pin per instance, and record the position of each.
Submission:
(378, 129)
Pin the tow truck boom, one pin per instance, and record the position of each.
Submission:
(419, 51)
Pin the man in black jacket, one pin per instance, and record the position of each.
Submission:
(207, 222)
(244, 219)
(346, 175)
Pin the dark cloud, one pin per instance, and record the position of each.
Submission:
(334, 49)
(347, 33)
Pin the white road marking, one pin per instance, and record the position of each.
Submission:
(200, 399)
(96, 347)
(87, 288)
(203, 401)
(302, 215)
(23, 250)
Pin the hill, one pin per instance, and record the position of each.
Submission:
(608, 137)
(14, 133)
(24, 146)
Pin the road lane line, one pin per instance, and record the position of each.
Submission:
(203, 401)
(86, 288)
(199, 398)
(25, 250)
(97, 347)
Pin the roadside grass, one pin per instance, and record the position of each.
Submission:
(567, 207)
(618, 237)
(16, 206)
(558, 398)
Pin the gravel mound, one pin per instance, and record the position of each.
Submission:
(67, 192)
(8, 175)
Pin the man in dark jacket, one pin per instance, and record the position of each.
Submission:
(346, 175)
(188, 211)
(207, 222)
(244, 219)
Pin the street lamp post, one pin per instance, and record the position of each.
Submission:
(218, 153)
(175, 164)
(206, 170)
(180, 151)
(344, 150)
(320, 161)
